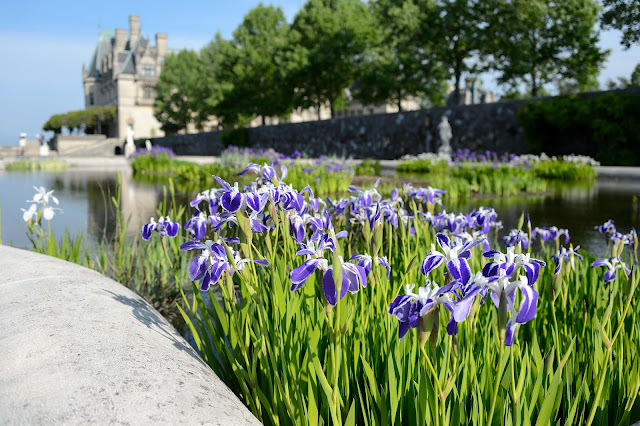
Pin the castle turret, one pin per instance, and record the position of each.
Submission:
(120, 42)
(134, 30)
(161, 44)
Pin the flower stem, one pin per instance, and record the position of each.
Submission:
(494, 397)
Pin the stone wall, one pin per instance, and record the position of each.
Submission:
(492, 126)
(205, 143)
(86, 145)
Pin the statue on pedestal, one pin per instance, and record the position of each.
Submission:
(44, 146)
(129, 146)
(445, 133)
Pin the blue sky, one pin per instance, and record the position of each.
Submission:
(44, 45)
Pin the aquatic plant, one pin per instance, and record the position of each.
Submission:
(310, 337)
(37, 165)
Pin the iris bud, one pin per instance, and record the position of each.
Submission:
(502, 316)
(548, 361)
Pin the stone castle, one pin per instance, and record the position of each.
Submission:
(123, 72)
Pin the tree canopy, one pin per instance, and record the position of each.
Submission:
(254, 65)
(623, 15)
(96, 120)
(330, 38)
(536, 42)
(388, 51)
(402, 62)
(180, 95)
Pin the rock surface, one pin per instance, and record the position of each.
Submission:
(78, 348)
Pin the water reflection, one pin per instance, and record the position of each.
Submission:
(577, 207)
(86, 197)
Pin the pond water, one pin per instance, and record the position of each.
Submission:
(85, 197)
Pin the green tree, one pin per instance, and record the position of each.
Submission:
(217, 81)
(401, 61)
(635, 77)
(538, 41)
(254, 64)
(458, 30)
(623, 15)
(328, 38)
(180, 93)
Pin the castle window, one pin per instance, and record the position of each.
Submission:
(148, 92)
(148, 70)
(90, 98)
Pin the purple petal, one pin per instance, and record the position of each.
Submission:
(600, 263)
(197, 268)
(231, 201)
(302, 272)
(609, 275)
(511, 333)
(263, 262)
(528, 305)
(443, 240)
(147, 230)
(222, 183)
(463, 307)
(329, 287)
(342, 234)
(191, 245)
(217, 269)
(431, 262)
(206, 282)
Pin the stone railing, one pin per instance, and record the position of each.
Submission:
(79, 348)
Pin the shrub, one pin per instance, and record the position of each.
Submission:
(604, 127)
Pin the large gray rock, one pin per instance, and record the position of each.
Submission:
(77, 347)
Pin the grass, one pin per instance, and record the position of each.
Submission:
(37, 165)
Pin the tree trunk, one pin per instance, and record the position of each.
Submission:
(399, 103)
(457, 73)
(263, 120)
(534, 83)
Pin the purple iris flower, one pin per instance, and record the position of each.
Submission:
(510, 263)
(426, 195)
(607, 228)
(232, 200)
(212, 262)
(612, 265)
(197, 225)
(257, 201)
(551, 233)
(212, 196)
(455, 253)
(485, 218)
(410, 307)
(164, 227)
(366, 197)
(313, 202)
(565, 255)
(353, 276)
(366, 262)
(265, 173)
(298, 227)
(495, 286)
(516, 237)
(315, 260)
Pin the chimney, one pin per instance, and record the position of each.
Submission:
(134, 29)
(121, 39)
(161, 44)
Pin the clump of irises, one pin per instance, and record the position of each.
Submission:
(289, 252)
